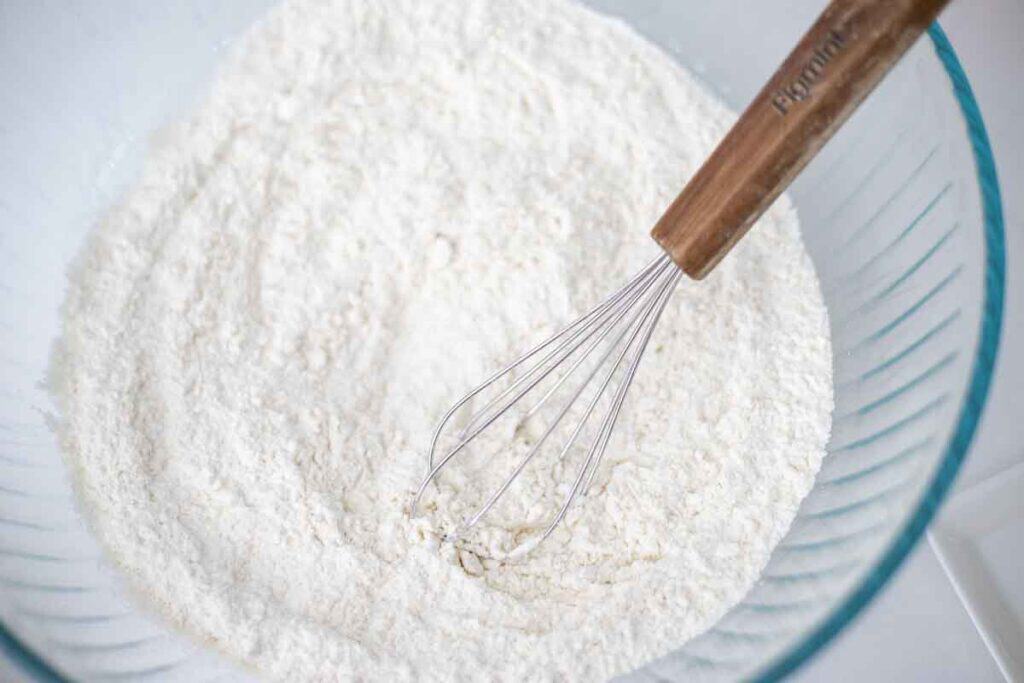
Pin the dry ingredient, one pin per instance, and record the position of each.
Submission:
(377, 204)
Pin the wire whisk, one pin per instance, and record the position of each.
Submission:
(840, 59)
(617, 331)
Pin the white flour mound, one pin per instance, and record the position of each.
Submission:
(378, 204)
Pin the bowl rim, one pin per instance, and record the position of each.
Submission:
(35, 667)
(973, 402)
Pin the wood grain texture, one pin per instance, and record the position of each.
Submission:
(837, 63)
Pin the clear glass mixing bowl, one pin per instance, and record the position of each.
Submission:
(901, 214)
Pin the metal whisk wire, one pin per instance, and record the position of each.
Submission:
(632, 312)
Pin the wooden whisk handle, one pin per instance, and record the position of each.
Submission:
(833, 68)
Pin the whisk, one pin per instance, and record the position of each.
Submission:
(840, 59)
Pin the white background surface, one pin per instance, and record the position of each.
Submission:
(920, 629)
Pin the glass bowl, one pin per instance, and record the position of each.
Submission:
(901, 214)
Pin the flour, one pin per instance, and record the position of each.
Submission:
(376, 206)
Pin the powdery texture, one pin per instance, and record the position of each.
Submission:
(378, 203)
